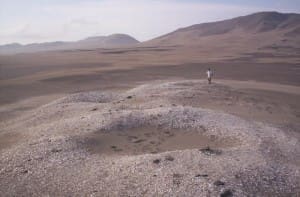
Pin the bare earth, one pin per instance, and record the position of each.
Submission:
(144, 122)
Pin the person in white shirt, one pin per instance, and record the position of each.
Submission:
(209, 75)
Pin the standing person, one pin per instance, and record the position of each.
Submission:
(209, 75)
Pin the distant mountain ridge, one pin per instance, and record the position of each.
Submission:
(257, 25)
(254, 23)
(114, 40)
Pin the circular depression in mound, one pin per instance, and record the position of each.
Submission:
(145, 140)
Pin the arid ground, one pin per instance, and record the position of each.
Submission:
(144, 122)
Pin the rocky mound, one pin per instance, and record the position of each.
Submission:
(140, 143)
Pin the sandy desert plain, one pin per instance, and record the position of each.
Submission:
(142, 120)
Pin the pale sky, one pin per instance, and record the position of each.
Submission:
(30, 21)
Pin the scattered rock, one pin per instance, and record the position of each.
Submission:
(219, 183)
(226, 193)
(156, 161)
(209, 151)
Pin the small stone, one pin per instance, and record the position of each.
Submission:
(169, 158)
(56, 150)
(139, 141)
(24, 171)
(113, 147)
(226, 193)
(129, 97)
(156, 161)
(209, 151)
(219, 183)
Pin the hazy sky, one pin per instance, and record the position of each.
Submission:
(27, 21)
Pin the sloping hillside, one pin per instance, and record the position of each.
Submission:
(259, 29)
(115, 40)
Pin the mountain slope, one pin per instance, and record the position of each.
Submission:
(115, 40)
(261, 28)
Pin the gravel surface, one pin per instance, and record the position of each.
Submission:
(49, 156)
